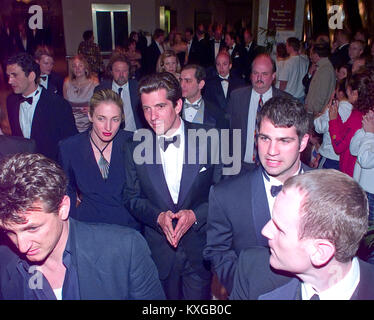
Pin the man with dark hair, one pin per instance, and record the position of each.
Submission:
(340, 55)
(295, 68)
(236, 52)
(324, 79)
(196, 109)
(322, 228)
(154, 50)
(197, 46)
(240, 206)
(244, 103)
(218, 88)
(169, 195)
(119, 67)
(49, 79)
(34, 112)
(251, 50)
(91, 52)
(215, 45)
(54, 257)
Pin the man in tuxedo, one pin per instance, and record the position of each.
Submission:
(250, 52)
(340, 56)
(52, 257)
(240, 206)
(218, 89)
(49, 79)
(236, 52)
(196, 109)
(244, 103)
(168, 192)
(215, 45)
(197, 46)
(36, 113)
(314, 233)
(127, 89)
(154, 50)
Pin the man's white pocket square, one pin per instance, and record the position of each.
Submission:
(202, 169)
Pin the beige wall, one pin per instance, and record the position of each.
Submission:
(78, 18)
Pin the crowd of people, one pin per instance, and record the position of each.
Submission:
(105, 187)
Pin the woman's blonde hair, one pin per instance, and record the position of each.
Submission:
(160, 67)
(85, 63)
(106, 95)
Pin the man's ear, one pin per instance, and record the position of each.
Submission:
(304, 142)
(178, 106)
(64, 209)
(32, 76)
(321, 251)
(201, 84)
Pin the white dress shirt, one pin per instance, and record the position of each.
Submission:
(251, 123)
(26, 112)
(127, 109)
(172, 163)
(225, 84)
(343, 289)
(190, 113)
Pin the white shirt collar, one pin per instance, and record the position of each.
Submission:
(265, 96)
(342, 290)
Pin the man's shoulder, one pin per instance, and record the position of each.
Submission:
(241, 91)
(239, 183)
(73, 141)
(105, 84)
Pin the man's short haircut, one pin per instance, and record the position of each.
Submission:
(334, 208)
(200, 73)
(25, 180)
(87, 35)
(360, 43)
(117, 57)
(162, 80)
(286, 113)
(268, 56)
(294, 43)
(43, 50)
(158, 33)
(27, 64)
(321, 49)
(224, 53)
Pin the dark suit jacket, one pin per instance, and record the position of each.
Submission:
(211, 51)
(340, 56)
(55, 83)
(53, 121)
(12, 145)
(198, 53)
(249, 56)
(292, 289)
(214, 116)
(113, 262)
(147, 195)
(238, 60)
(238, 210)
(102, 200)
(152, 54)
(213, 91)
(134, 98)
(238, 109)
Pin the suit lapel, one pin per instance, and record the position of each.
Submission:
(18, 130)
(244, 118)
(38, 114)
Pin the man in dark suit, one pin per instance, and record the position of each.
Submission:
(196, 109)
(127, 89)
(215, 45)
(314, 233)
(240, 206)
(36, 113)
(218, 89)
(197, 46)
(340, 56)
(154, 50)
(50, 256)
(168, 192)
(250, 51)
(49, 79)
(12, 145)
(237, 54)
(244, 103)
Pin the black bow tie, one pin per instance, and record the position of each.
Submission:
(223, 79)
(274, 190)
(28, 100)
(44, 78)
(165, 142)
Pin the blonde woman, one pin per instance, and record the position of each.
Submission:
(169, 62)
(78, 89)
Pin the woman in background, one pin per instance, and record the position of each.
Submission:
(169, 62)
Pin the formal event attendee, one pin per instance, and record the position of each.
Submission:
(53, 257)
(281, 59)
(244, 103)
(196, 109)
(170, 195)
(180, 48)
(169, 62)
(314, 234)
(78, 89)
(93, 162)
(91, 52)
(356, 49)
(323, 81)
(34, 112)
(218, 88)
(120, 83)
(12, 145)
(340, 55)
(240, 206)
(360, 95)
(135, 57)
(251, 50)
(237, 54)
(154, 50)
(49, 79)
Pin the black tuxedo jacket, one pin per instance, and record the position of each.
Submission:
(55, 83)
(249, 56)
(152, 54)
(238, 210)
(340, 56)
(238, 60)
(198, 53)
(134, 98)
(211, 51)
(238, 109)
(12, 145)
(53, 121)
(147, 195)
(213, 91)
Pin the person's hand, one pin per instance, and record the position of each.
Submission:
(165, 222)
(333, 110)
(186, 218)
(368, 122)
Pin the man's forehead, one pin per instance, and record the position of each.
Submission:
(188, 74)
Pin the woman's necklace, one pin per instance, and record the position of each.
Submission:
(103, 163)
